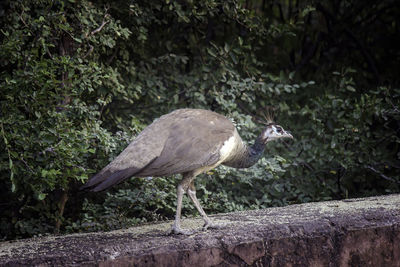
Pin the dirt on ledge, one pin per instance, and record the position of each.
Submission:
(355, 232)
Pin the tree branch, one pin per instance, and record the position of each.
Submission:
(88, 52)
(103, 23)
(381, 174)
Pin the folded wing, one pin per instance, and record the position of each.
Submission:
(181, 141)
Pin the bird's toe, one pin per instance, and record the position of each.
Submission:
(179, 231)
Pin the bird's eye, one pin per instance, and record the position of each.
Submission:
(279, 130)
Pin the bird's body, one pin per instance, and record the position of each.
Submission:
(185, 141)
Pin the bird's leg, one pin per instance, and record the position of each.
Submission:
(176, 227)
(191, 191)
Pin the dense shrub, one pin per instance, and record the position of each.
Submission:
(80, 79)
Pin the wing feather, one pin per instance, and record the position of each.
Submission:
(192, 143)
(178, 142)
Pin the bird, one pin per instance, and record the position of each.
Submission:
(187, 142)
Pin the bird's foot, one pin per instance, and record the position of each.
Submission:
(175, 230)
(211, 225)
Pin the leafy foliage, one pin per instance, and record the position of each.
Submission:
(80, 79)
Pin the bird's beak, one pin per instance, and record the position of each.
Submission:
(288, 134)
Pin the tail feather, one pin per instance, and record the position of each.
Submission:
(115, 178)
(97, 179)
(104, 180)
(107, 177)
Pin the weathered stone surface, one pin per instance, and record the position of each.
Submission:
(357, 232)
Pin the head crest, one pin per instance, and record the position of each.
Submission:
(265, 116)
(269, 115)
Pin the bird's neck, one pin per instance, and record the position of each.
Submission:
(247, 156)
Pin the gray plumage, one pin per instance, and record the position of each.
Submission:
(178, 142)
(186, 141)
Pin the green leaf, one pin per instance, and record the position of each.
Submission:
(211, 52)
(226, 48)
(41, 196)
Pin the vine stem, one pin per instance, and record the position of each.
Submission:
(61, 205)
(11, 166)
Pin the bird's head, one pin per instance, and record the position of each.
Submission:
(274, 131)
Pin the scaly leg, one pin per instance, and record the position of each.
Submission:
(207, 222)
(182, 187)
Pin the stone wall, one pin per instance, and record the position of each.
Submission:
(355, 232)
